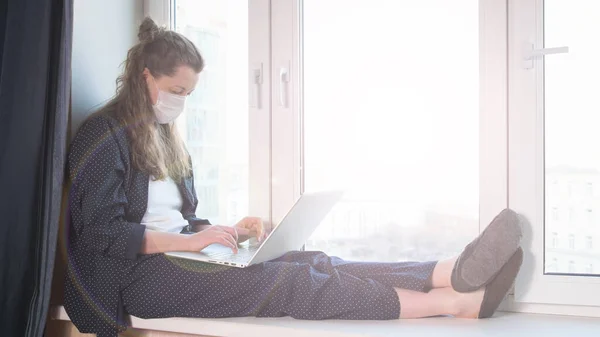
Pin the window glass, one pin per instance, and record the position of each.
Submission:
(215, 124)
(572, 163)
(391, 115)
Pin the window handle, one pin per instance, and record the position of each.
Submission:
(284, 79)
(256, 80)
(532, 53)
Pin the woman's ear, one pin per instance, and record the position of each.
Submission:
(152, 88)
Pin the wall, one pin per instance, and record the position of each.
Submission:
(103, 32)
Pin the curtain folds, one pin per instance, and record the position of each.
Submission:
(35, 77)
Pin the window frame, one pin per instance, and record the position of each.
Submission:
(288, 125)
(287, 122)
(534, 290)
(160, 11)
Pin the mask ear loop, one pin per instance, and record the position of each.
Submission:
(157, 90)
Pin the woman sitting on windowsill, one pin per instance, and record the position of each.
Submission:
(132, 193)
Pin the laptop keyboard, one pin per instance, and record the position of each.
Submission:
(243, 255)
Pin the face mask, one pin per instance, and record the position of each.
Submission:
(168, 106)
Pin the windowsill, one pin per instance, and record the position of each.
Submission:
(503, 324)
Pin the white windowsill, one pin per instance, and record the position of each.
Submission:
(503, 324)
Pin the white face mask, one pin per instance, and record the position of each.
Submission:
(168, 106)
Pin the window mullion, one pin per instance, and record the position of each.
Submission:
(285, 100)
(259, 81)
(493, 123)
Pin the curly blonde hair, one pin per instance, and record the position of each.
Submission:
(156, 149)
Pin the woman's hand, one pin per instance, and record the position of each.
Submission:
(253, 227)
(223, 235)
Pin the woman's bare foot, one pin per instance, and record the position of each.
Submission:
(439, 301)
(468, 305)
(448, 301)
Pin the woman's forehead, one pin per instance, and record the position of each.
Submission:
(184, 77)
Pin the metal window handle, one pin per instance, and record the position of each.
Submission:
(531, 53)
(284, 79)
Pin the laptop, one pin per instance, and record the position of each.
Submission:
(290, 234)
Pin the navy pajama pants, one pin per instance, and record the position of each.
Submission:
(303, 285)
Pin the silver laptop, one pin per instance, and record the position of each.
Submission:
(291, 234)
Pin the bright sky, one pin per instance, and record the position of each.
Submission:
(391, 88)
(572, 86)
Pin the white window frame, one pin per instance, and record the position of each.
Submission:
(159, 11)
(534, 291)
(286, 123)
(259, 105)
(288, 128)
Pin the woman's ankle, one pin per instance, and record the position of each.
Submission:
(467, 305)
(440, 278)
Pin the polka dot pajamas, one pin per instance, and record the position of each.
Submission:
(303, 285)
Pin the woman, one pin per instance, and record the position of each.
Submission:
(132, 193)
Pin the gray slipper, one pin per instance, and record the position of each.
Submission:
(482, 259)
(496, 291)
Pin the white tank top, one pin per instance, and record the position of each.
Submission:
(164, 207)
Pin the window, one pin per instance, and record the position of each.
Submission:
(552, 99)
(570, 188)
(379, 128)
(589, 243)
(590, 216)
(392, 120)
(568, 101)
(572, 214)
(572, 268)
(226, 130)
(555, 214)
(555, 240)
(589, 268)
(571, 241)
(216, 118)
(553, 265)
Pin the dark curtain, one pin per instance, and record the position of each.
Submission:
(35, 66)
